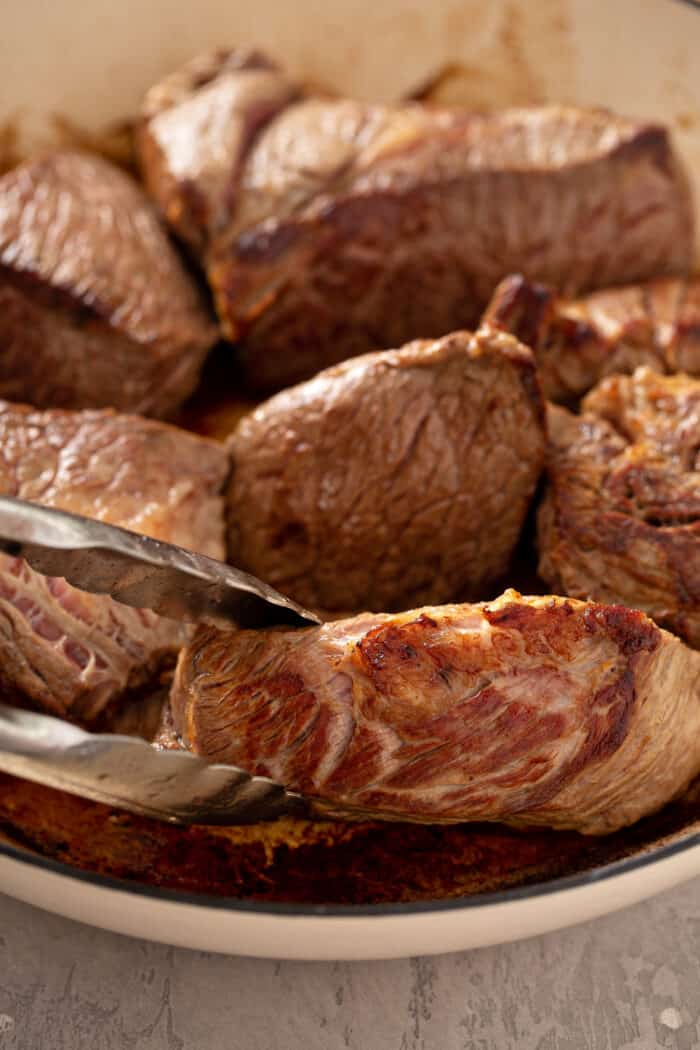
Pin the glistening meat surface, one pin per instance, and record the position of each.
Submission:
(542, 711)
(61, 649)
(392, 480)
(620, 520)
(577, 342)
(96, 308)
(330, 227)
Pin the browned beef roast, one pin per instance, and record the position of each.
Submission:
(621, 517)
(393, 479)
(95, 307)
(329, 227)
(71, 652)
(198, 125)
(579, 341)
(525, 710)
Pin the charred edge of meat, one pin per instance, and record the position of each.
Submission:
(523, 308)
(531, 312)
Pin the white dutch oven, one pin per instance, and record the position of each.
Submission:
(92, 63)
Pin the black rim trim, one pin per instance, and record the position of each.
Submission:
(289, 910)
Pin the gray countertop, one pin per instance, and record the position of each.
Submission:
(630, 981)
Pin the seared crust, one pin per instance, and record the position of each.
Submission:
(393, 479)
(541, 711)
(621, 517)
(577, 342)
(95, 307)
(330, 227)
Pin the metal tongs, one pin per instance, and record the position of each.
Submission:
(124, 771)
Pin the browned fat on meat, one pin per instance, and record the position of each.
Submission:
(577, 342)
(541, 710)
(96, 308)
(329, 227)
(69, 652)
(621, 517)
(392, 480)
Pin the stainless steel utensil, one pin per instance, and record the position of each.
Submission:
(125, 771)
(129, 773)
(140, 571)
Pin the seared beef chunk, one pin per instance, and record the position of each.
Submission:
(64, 650)
(95, 306)
(621, 517)
(579, 341)
(198, 125)
(523, 710)
(330, 227)
(391, 480)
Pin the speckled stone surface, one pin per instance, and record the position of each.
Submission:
(627, 982)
